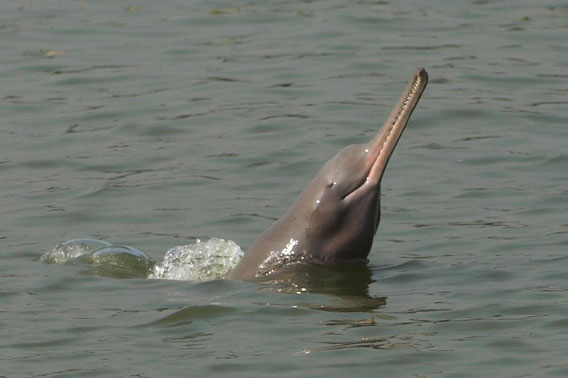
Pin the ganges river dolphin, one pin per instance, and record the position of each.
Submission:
(336, 216)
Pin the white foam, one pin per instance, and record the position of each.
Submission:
(202, 261)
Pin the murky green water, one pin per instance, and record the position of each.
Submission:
(153, 124)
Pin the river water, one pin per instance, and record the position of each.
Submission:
(155, 124)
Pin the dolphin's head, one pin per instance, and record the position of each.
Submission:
(343, 200)
(336, 216)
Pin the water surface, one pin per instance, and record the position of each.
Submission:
(155, 124)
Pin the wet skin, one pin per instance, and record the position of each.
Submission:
(336, 216)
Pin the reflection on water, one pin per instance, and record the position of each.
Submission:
(347, 284)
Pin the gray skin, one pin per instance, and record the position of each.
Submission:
(337, 215)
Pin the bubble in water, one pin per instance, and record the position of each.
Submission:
(118, 261)
(208, 260)
(70, 250)
(101, 258)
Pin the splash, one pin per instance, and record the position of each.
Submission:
(276, 260)
(202, 261)
(101, 258)
(66, 252)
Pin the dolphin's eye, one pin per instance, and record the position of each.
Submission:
(331, 184)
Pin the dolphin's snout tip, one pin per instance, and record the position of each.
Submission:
(422, 74)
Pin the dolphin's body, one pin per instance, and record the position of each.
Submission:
(336, 216)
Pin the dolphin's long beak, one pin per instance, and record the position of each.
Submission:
(382, 145)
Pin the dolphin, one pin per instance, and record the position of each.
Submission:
(336, 216)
